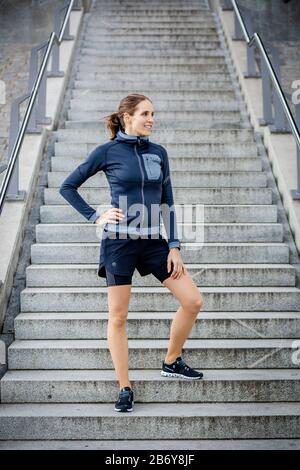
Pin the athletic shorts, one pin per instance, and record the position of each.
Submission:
(120, 256)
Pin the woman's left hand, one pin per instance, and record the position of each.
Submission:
(174, 258)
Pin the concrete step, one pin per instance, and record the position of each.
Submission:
(127, 33)
(243, 275)
(141, 52)
(153, 421)
(170, 72)
(91, 91)
(170, 105)
(154, 84)
(188, 119)
(106, 20)
(145, 13)
(87, 386)
(102, 25)
(212, 325)
(50, 214)
(244, 253)
(115, 36)
(200, 61)
(202, 5)
(171, 136)
(155, 17)
(94, 196)
(161, 70)
(216, 123)
(134, 444)
(91, 299)
(147, 47)
(132, 4)
(93, 88)
(178, 164)
(163, 60)
(148, 354)
(209, 150)
(196, 179)
(90, 233)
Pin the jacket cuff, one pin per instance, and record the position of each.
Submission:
(93, 218)
(174, 244)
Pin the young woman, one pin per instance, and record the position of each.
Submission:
(139, 177)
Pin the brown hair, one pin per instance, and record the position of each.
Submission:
(115, 122)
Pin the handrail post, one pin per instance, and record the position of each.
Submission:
(55, 72)
(266, 95)
(13, 192)
(252, 71)
(296, 192)
(33, 67)
(238, 33)
(67, 36)
(227, 5)
(76, 5)
(41, 107)
(280, 122)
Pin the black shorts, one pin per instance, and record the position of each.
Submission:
(120, 256)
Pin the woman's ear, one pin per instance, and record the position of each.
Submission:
(126, 118)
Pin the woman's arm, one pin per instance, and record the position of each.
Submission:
(167, 205)
(95, 162)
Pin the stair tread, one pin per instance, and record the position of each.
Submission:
(152, 409)
(153, 315)
(159, 290)
(149, 375)
(153, 343)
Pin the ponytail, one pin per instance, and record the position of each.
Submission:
(114, 122)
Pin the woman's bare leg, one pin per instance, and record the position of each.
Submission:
(118, 302)
(187, 293)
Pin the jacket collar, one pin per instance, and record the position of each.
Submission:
(123, 137)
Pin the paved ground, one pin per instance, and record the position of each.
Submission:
(22, 25)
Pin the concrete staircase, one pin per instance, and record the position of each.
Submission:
(60, 384)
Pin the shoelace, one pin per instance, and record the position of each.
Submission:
(183, 364)
(124, 396)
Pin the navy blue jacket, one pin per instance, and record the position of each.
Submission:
(138, 173)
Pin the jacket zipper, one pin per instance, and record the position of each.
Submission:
(139, 160)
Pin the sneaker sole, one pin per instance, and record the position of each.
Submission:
(128, 409)
(180, 376)
(124, 411)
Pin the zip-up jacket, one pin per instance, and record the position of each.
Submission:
(138, 174)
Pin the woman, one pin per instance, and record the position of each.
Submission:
(138, 174)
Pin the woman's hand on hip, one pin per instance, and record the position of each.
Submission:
(113, 215)
(174, 258)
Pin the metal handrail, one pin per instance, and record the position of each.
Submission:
(54, 39)
(255, 39)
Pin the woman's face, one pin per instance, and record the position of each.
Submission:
(142, 120)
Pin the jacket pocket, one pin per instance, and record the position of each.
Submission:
(152, 165)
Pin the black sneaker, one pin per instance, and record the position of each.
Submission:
(125, 400)
(180, 369)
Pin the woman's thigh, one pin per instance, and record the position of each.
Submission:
(185, 290)
(118, 295)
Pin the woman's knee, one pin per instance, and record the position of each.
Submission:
(117, 318)
(194, 305)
